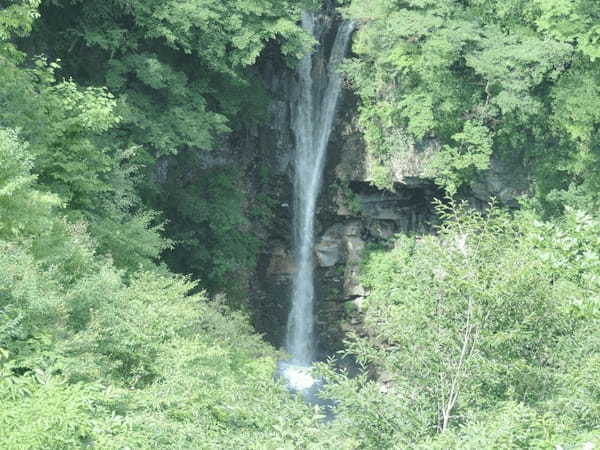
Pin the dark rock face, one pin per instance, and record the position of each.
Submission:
(352, 221)
(504, 181)
(352, 213)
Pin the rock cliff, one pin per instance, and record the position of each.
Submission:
(353, 214)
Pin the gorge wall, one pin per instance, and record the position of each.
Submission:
(352, 214)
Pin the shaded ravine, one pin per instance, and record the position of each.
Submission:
(314, 114)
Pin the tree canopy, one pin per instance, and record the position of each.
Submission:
(518, 80)
(117, 241)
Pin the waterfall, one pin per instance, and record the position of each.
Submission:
(314, 113)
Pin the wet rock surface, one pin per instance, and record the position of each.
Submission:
(352, 214)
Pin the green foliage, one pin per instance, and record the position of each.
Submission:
(16, 19)
(41, 411)
(511, 426)
(367, 418)
(25, 210)
(92, 358)
(481, 334)
(347, 197)
(517, 80)
(144, 366)
(64, 126)
(179, 68)
(163, 80)
(572, 21)
(208, 220)
(456, 165)
(53, 116)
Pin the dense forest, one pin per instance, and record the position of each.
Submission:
(124, 263)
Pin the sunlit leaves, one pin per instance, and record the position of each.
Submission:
(513, 66)
(572, 21)
(457, 163)
(178, 67)
(519, 68)
(16, 19)
(24, 210)
(496, 310)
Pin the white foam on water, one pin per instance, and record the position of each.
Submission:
(298, 378)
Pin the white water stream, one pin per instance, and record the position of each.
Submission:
(319, 91)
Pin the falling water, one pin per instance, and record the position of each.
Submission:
(314, 114)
